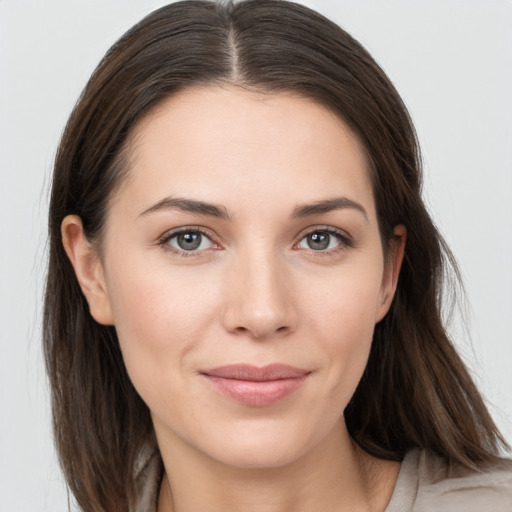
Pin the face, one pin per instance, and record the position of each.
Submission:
(243, 270)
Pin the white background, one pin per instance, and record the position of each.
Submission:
(450, 60)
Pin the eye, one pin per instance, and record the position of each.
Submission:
(190, 240)
(322, 240)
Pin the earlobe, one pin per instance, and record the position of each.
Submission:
(392, 270)
(88, 269)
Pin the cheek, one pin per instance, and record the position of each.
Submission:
(345, 314)
(346, 303)
(160, 317)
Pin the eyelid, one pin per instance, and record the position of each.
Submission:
(346, 240)
(168, 235)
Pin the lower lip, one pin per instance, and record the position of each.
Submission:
(256, 393)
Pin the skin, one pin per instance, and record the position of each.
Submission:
(255, 291)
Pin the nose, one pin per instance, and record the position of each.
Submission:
(259, 298)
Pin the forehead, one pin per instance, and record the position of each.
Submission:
(230, 115)
(213, 141)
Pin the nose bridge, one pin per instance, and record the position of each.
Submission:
(260, 301)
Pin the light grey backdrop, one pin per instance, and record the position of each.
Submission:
(451, 61)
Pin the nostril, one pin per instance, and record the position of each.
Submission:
(262, 333)
(259, 318)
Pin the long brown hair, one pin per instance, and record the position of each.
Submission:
(415, 391)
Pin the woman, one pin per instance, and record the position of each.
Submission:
(243, 297)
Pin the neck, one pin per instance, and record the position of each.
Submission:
(336, 476)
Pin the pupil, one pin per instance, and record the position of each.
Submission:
(189, 241)
(319, 241)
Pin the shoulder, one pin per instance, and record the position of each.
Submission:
(430, 484)
(458, 488)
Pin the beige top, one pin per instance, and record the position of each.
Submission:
(424, 484)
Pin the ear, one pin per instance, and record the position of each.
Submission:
(392, 270)
(88, 269)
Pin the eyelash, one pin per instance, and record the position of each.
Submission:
(345, 241)
(165, 239)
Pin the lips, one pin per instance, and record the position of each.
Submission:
(256, 386)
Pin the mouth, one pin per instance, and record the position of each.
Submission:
(256, 386)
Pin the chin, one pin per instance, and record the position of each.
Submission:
(262, 455)
(265, 444)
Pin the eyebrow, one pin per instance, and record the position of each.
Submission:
(329, 205)
(213, 210)
(190, 206)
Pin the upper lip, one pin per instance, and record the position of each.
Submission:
(255, 373)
